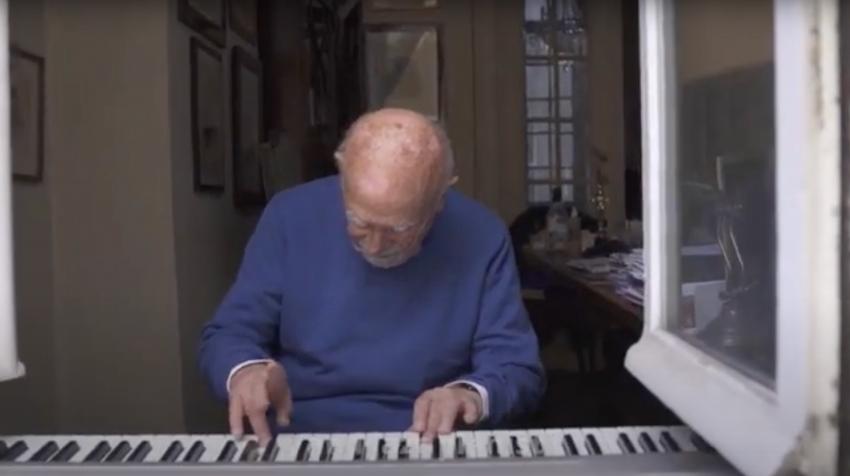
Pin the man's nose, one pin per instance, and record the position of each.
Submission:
(373, 243)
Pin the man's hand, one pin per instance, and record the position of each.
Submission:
(253, 390)
(437, 410)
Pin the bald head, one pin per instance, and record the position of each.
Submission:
(395, 166)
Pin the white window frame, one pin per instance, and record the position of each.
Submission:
(758, 429)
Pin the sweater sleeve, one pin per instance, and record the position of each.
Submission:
(505, 357)
(245, 326)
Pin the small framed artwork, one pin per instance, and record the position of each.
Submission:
(246, 108)
(26, 114)
(208, 133)
(204, 16)
(243, 19)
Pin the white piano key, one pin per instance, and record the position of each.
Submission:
(447, 446)
(412, 439)
(426, 450)
(482, 444)
(351, 447)
(213, 444)
(86, 444)
(317, 441)
(34, 443)
(467, 438)
(610, 436)
(632, 436)
(549, 450)
(654, 434)
(551, 441)
(601, 441)
(393, 440)
(372, 440)
(523, 442)
(579, 440)
(503, 442)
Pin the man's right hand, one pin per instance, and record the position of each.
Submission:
(253, 390)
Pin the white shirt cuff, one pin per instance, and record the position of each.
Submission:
(482, 392)
(241, 366)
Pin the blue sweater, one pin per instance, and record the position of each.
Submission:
(359, 343)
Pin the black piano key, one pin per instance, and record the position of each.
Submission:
(327, 453)
(360, 450)
(3, 450)
(536, 447)
(195, 452)
(303, 451)
(435, 448)
(45, 452)
(98, 453)
(625, 443)
(66, 453)
(118, 453)
(227, 453)
(516, 451)
(646, 443)
(669, 443)
(251, 451)
(140, 453)
(701, 444)
(403, 450)
(383, 449)
(172, 452)
(460, 448)
(593, 445)
(13, 452)
(569, 445)
(492, 447)
(270, 452)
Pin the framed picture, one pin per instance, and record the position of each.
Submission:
(26, 114)
(208, 133)
(243, 19)
(204, 16)
(247, 129)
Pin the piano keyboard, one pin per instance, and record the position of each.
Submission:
(349, 447)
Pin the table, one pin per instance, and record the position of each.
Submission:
(614, 311)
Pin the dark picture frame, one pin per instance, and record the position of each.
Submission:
(246, 109)
(26, 114)
(243, 19)
(205, 17)
(208, 96)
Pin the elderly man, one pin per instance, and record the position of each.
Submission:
(376, 300)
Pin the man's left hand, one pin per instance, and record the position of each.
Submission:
(437, 410)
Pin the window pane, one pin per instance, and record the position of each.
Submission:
(538, 150)
(567, 193)
(565, 79)
(566, 108)
(538, 109)
(727, 264)
(539, 194)
(540, 174)
(403, 69)
(567, 150)
(537, 81)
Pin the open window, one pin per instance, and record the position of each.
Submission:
(741, 185)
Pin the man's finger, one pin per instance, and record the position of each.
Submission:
(236, 414)
(279, 393)
(471, 412)
(448, 417)
(420, 413)
(434, 416)
(260, 426)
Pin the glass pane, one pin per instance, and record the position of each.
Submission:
(403, 69)
(539, 194)
(567, 150)
(726, 222)
(567, 193)
(536, 9)
(537, 81)
(566, 173)
(535, 45)
(565, 79)
(539, 149)
(540, 174)
(538, 108)
(566, 109)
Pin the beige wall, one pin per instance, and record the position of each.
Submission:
(115, 288)
(605, 104)
(32, 398)
(210, 234)
(118, 260)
